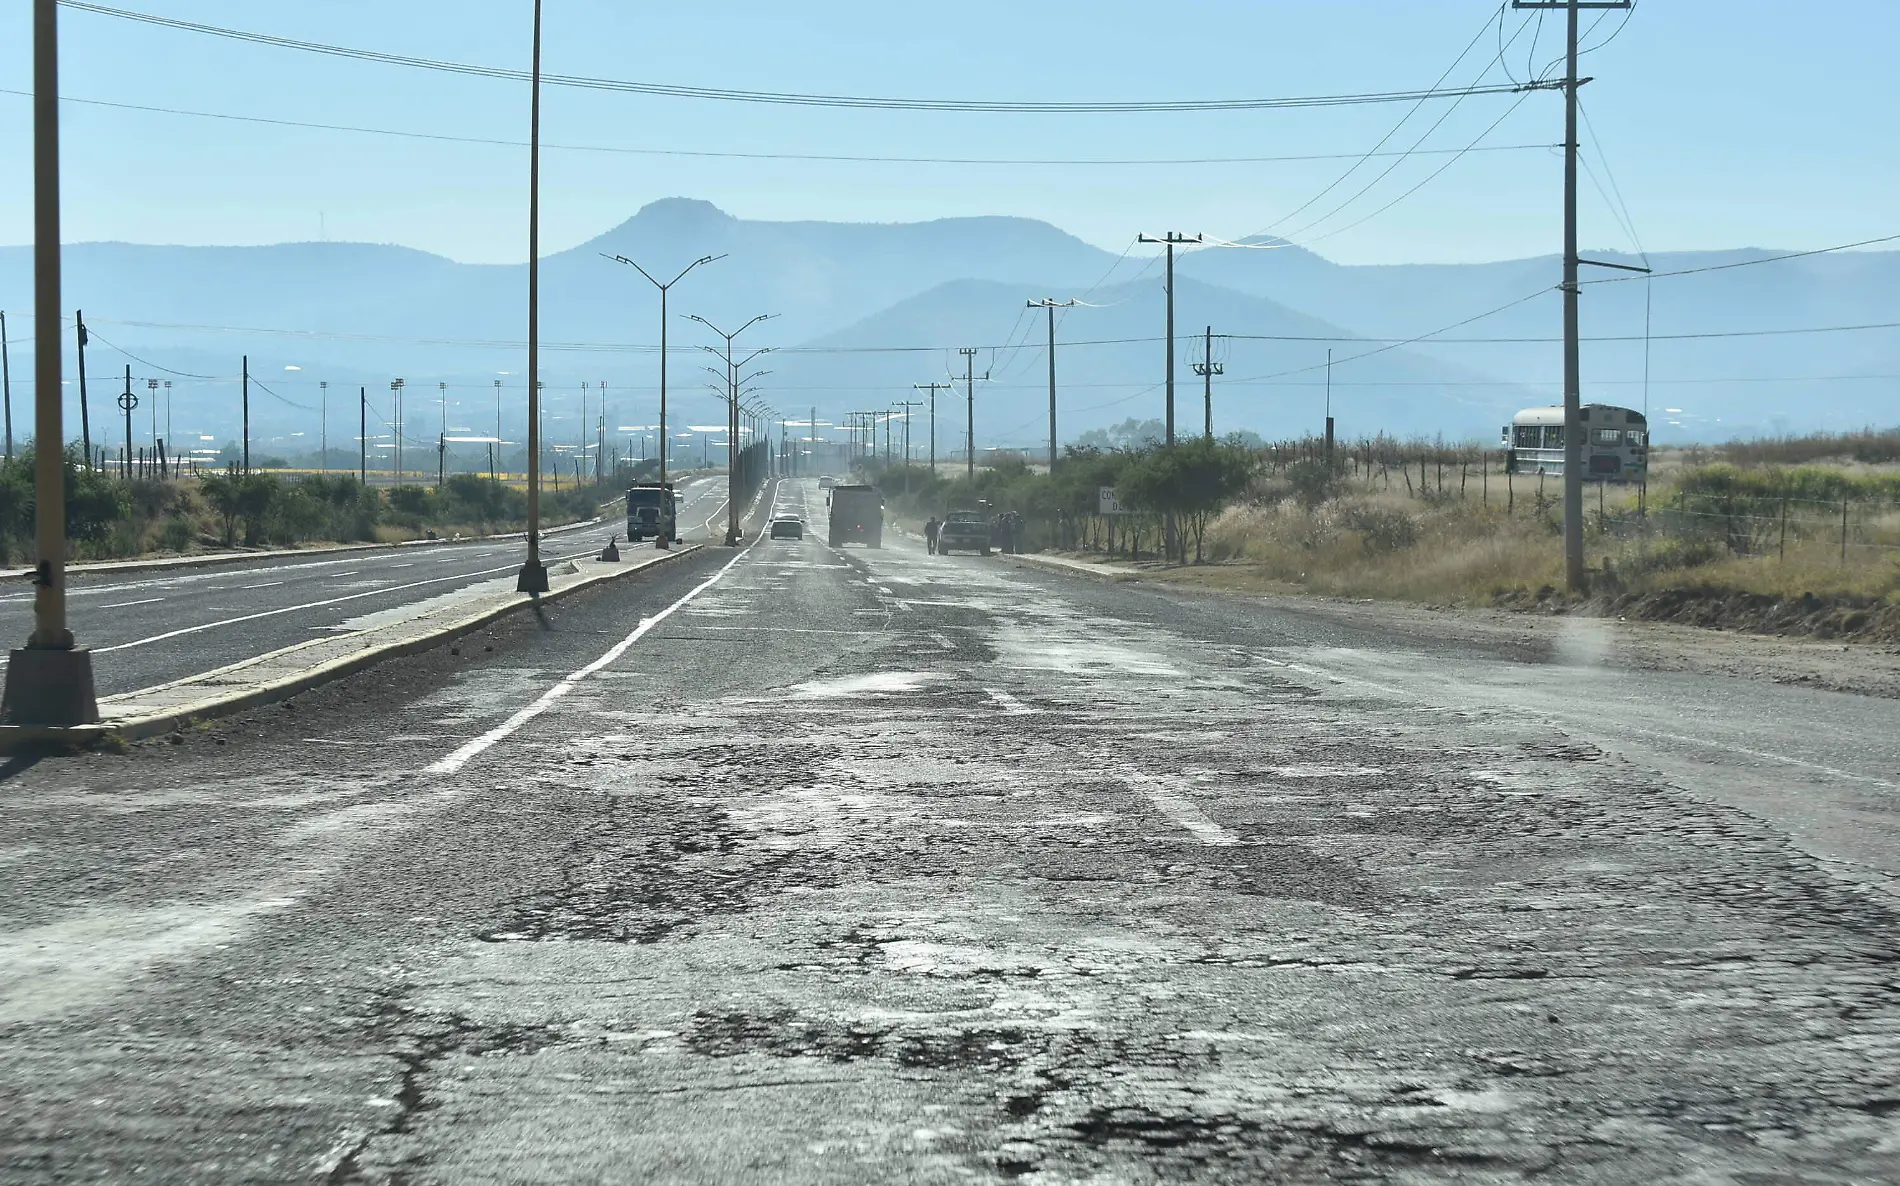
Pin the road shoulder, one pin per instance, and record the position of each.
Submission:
(1858, 668)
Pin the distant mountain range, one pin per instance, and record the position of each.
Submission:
(865, 311)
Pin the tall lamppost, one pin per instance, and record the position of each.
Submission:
(653, 280)
(732, 400)
(533, 577)
(395, 426)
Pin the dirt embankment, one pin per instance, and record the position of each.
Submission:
(1843, 617)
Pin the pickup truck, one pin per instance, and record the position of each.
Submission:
(966, 531)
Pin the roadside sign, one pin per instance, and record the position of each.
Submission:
(1106, 502)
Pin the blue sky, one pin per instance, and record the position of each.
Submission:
(1726, 122)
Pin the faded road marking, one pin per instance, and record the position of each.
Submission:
(1009, 704)
(469, 750)
(1166, 794)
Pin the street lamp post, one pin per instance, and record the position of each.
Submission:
(533, 577)
(732, 399)
(395, 427)
(49, 681)
(651, 279)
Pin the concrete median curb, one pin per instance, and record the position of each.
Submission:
(226, 690)
(215, 559)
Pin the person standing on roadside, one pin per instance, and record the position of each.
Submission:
(930, 534)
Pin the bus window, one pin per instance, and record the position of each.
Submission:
(1526, 436)
(1637, 437)
(1609, 436)
(1553, 437)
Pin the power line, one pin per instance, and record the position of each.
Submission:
(636, 348)
(1748, 263)
(1376, 148)
(1428, 179)
(794, 98)
(846, 158)
(96, 336)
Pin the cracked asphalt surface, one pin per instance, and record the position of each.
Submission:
(147, 628)
(877, 866)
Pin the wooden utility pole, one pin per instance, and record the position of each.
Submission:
(6, 382)
(1575, 575)
(1051, 305)
(969, 396)
(247, 413)
(1207, 368)
(85, 414)
(933, 389)
(1171, 240)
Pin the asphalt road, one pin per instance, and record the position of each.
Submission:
(781, 865)
(148, 629)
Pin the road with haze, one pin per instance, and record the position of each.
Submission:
(785, 864)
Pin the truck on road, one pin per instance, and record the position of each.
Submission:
(857, 516)
(651, 512)
(964, 531)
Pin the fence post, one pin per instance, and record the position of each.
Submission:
(1843, 530)
(1784, 529)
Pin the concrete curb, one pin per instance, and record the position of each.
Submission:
(1094, 572)
(216, 559)
(16, 738)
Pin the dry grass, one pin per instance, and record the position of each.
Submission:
(1384, 544)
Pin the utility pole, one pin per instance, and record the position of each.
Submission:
(442, 435)
(1575, 575)
(151, 393)
(247, 413)
(127, 402)
(969, 407)
(933, 389)
(395, 428)
(323, 426)
(1051, 304)
(1207, 368)
(1329, 411)
(6, 382)
(533, 577)
(362, 436)
(168, 418)
(1171, 240)
(494, 458)
(85, 414)
(49, 681)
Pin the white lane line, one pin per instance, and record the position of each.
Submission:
(1009, 704)
(265, 585)
(291, 609)
(1169, 801)
(473, 748)
(126, 604)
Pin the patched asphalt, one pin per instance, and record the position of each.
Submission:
(876, 866)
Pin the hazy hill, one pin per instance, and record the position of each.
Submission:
(360, 314)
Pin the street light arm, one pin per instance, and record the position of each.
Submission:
(621, 259)
(704, 259)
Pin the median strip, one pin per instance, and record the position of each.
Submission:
(281, 674)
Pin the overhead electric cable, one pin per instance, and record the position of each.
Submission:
(800, 99)
(713, 154)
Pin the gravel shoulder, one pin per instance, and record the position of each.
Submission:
(1860, 668)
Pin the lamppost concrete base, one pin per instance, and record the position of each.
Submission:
(533, 578)
(49, 687)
